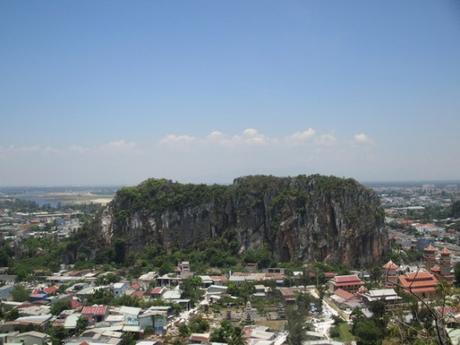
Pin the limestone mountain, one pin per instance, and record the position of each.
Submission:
(298, 218)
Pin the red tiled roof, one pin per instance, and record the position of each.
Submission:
(138, 294)
(201, 337)
(445, 251)
(156, 291)
(51, 290)
(94, 310)
(347, 280)
(287, 292)
(75, 304)
(390, 265)
(446, 310)
(343, 294)
(275, 276)
(329, 275)
(416, 281)
(430, 248)
(221, 279)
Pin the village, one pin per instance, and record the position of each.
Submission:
(103, 305)
(87, 305)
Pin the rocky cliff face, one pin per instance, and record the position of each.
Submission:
(301, 218)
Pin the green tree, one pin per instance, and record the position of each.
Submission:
(128, 339)
(82, 323)
(243, 290)
(198, 324)
(58, 334)
(20, 293)
(295, 327)
(184, 331)
(101, 296)
(227, 333)
(455, 209)
(13, 314)
(59, 306)
(191, 289)
(367, 332)
(457, 273)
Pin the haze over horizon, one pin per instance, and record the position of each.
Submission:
(114, 92)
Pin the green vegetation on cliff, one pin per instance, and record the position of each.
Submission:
(304, 217)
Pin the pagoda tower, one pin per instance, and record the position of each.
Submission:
(429, 256)
(445, 266)
(390, 274)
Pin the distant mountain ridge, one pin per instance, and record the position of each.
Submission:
(315, 217)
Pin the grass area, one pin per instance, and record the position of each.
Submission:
(345, 332)
(276, 325)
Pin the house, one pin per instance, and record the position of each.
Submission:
(157, 319)
(388, 296)
(119, 289)
(420, 283)
(51, 290)
(260, 290)
(130, 315)
(147, 279)
(172, 294)
(288, 294)
(37, 320)
(96, 339)
(206, 281)
(5, 292)
(217, 290)
(157, 292)
(345, 299)
(251, 267)
(4, 336)
(70, 321)
(184, 270)
(95, 313)
(75, 303)
(30, 338)
(219, 280)
(258, 335)
(199, 338)
(168, 280)
(7, 279)
(38, 296)
(115, 319)
(350, 283)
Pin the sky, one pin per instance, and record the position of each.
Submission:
(114, 92)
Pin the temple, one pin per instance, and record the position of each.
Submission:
(440, 268)
(421, 283)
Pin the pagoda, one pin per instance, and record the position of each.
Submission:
(390, 274)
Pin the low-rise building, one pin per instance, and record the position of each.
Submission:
(350, 283)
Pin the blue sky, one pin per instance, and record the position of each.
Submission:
(108, 92)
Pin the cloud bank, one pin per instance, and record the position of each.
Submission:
(213, 157)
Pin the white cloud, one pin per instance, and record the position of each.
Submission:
(326, 140)
(177, 139)
(302, 136)
(249, 136)
(253, 136)
(362, 138)
(213, 157)
(120, 144)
